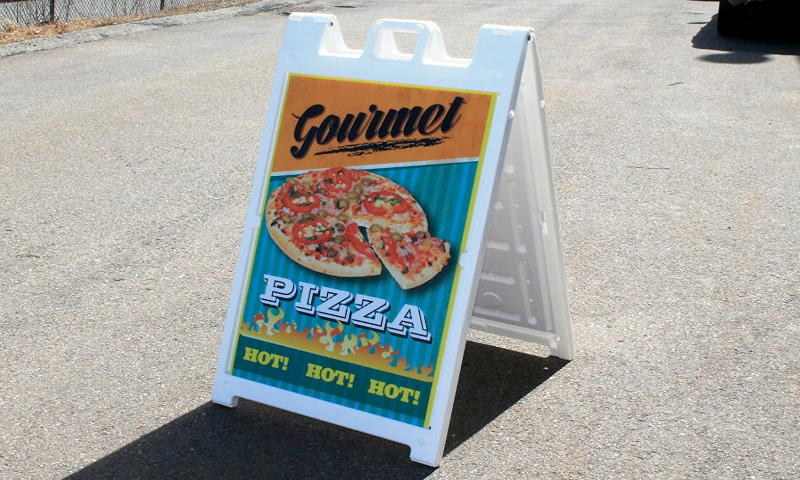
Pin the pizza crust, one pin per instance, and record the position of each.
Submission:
(417, 279)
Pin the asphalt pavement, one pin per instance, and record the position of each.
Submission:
(126, 162)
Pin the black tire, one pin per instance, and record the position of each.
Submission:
(730, 19)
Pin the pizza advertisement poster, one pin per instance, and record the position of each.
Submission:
(355, 263)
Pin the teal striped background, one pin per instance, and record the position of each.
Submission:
(444, 192)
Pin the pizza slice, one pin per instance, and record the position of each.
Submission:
(412, 258)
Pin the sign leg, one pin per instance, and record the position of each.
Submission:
(223, 396)
(425, 455)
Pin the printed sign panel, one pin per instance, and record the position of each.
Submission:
(355, 264)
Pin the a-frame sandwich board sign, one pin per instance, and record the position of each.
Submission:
(387, 215)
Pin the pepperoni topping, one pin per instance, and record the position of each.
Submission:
(312, 231)
(352, 236)
(385, 203)
(299, 200)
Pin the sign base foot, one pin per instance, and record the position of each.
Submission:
(425, 456)
(224, 399)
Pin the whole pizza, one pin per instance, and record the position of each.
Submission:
(319, 219)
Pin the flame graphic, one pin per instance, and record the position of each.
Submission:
(362, 349)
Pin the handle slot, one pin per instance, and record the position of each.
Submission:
(382, 45)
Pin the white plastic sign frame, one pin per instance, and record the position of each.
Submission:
(513, 227)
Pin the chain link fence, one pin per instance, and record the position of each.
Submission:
(26, 13)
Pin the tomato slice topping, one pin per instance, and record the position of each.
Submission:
(337, 179)
(351, 234)
(385, 203)
(312, 230)
(299, 200)
(394, 255)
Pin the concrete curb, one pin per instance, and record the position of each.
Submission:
(130, 28)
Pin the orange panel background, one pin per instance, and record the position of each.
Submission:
(340, 97)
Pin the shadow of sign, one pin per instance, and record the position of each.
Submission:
(755, 47)
(256, 441)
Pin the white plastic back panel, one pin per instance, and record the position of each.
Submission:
(522, 291)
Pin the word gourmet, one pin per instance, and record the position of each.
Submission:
(332, 304)
(371, 125)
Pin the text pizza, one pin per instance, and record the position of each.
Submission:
(335, 305)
